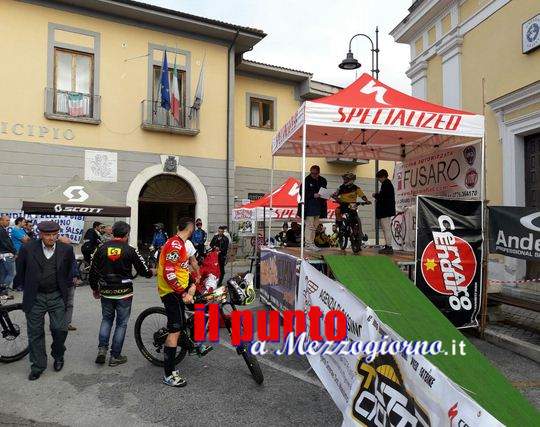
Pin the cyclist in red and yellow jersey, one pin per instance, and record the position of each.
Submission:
(175, 291)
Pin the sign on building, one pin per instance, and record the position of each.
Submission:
(100, 166)
(530, 33)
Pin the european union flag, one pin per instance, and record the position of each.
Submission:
(165, 97)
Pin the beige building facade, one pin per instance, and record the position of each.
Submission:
(475, 55)
(83, 99)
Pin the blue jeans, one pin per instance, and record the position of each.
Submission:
(7, 271)
(109, 308)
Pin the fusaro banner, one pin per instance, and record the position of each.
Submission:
(514, 231)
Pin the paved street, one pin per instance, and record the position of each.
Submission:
(220, 390)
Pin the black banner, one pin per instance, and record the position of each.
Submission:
(449, 257)
(514, 231)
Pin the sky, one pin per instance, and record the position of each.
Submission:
(313, 35)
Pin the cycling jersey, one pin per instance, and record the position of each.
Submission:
(173, 268)
(348, 193)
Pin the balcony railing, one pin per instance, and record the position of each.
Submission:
(155, 117)
(72, 106)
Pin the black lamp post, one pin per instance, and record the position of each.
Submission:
(351, 63)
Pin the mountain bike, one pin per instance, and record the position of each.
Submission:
(151, 328)
(13, 335)
(351, 229)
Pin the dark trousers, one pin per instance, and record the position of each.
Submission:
(222, 260)
(53, 305)
(111, 308)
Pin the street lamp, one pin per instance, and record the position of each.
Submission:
(351, 63)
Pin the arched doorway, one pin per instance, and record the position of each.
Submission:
(163, 198)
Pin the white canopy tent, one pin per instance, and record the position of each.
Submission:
(370, 120)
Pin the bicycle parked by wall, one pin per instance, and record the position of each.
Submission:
(13, 335)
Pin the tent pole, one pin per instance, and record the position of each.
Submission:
(302, 196)
(484, 281)
(271, 200)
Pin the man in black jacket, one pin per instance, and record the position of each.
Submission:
(385, 209)
(111, 279)
(314, 205)
(44, 272)
(221, 242)
(92, 239)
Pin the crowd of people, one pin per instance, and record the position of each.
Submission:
(43, 266)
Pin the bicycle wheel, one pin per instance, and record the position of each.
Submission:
(253, 365)
(13, 337)
(150, 335)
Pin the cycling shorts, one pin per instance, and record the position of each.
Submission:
(175, 310)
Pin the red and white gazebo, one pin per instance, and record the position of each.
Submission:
(285, 200)
(370, 120)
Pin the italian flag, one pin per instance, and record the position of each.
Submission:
(175, 95)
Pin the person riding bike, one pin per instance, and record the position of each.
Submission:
(347, 193)
(175, 291)
(160, 236)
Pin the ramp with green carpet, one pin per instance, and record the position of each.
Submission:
(379, 283)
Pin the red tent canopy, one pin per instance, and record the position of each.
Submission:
(284, 203)
(370, 120)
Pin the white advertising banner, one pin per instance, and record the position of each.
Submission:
(454, 173)
(390, 390)
(70, 226)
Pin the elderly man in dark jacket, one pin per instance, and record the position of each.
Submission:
(44, 272)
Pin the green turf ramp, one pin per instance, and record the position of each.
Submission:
(379, 283)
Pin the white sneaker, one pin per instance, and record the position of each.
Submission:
(174, 380)
(313, 248)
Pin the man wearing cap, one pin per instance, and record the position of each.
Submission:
(44, 272)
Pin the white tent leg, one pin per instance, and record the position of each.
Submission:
(271, 200)
(302, 196)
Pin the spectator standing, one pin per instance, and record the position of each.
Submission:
(29, 228)
(221, 242)
(199, 236)
(385, 209)
(111, 281)
(18, 233)
(314, 204)
(92, 239)
(44, 272)
(107, 233)
(7, 256)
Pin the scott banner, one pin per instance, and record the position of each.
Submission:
(388, 390)
(514, 231)
(278, 279)
(449, 257)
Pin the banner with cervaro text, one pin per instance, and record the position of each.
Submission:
(385, 390)
(449, 257)
(514, 231)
